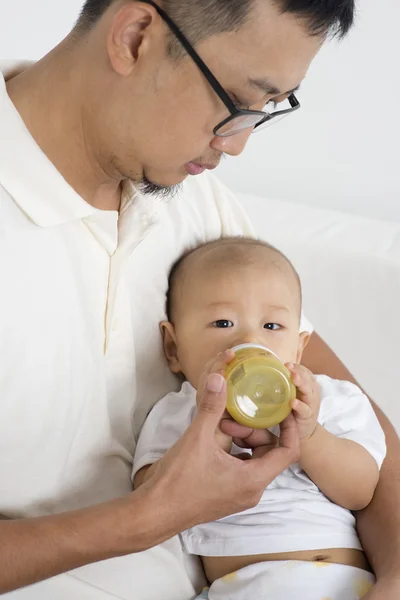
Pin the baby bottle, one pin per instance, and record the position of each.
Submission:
(259, 387)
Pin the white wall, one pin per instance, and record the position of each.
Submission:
(340, 151)
(29, 28)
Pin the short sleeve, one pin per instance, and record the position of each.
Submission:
(164, 426)
(347, 413)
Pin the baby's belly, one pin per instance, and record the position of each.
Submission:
(218, 566)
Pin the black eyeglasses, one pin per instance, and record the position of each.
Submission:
(240, 118)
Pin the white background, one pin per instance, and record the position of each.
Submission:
(340, 151)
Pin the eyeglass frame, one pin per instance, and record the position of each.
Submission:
(234, 110)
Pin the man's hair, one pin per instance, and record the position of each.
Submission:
(200, 19)
(235, 250)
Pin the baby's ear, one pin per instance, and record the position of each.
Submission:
(304, 338)
(170, 346)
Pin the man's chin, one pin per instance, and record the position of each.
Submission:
(160, 190)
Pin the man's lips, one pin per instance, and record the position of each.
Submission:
(197, 168)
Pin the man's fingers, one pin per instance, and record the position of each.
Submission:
(259, 438)
(215, 365)
(211, 402)
(234, 429)
(211, 393)
(273, 463)
(289, 435)
(245, 437)
(278, 459)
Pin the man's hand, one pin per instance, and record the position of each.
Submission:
(197, 481)
(223, 440)
(307, 404)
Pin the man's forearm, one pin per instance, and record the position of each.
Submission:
(379, 524)
(33, 550)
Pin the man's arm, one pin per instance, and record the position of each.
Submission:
(379, 524)
(32, 550)
(195, 482)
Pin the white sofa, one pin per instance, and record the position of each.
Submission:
(350, 269)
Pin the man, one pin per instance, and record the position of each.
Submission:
(85, 257)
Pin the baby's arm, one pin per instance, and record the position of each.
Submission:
(334, 454)
(342, 469)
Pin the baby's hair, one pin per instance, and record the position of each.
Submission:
(230, 242)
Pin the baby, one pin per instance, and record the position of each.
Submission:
(300, 541)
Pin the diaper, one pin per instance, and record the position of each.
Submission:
(292, 580)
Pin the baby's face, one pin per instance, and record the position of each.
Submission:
(221, 308)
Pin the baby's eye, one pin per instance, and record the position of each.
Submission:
(272, 326)
(223, 323)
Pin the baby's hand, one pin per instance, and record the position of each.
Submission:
(307, 404)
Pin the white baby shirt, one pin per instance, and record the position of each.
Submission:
(293, 513)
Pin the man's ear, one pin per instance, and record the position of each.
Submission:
(304, 338)
(127, 34)
(170, 346)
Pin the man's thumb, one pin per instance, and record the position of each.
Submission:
(212, 399)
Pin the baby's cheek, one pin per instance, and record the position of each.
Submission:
(197, 356)
(286, 354)
(194, 368)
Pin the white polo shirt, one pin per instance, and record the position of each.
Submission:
(82, 293)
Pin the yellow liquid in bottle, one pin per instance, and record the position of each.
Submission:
(259, 388)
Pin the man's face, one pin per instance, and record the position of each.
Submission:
(165, 112)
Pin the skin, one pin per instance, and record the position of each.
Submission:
(379, 524)
(95, 145)
(251, 289)
(230, 294)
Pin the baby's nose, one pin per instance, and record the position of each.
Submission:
(248, 339)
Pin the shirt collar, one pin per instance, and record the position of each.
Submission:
(29, 176)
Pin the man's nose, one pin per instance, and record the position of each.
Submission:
(233, 144)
